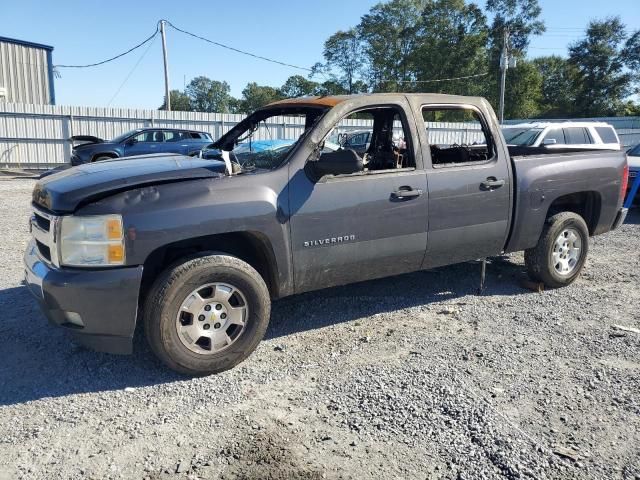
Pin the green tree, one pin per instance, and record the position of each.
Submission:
(602, 83)
(255, 96)
(521, 20)
(631, 53)
(524, 85)
(180, 101)
(332, 87)
(388, 34)
(343, 53)
(557, 96)
(631, 57)
(208, 95)
(451, 43)
(299, 86)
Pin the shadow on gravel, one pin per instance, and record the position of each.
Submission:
(38, 360)
(342, 304)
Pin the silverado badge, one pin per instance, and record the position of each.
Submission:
(330, 241)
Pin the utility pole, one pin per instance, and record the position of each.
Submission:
(167, 97)
(504, 64)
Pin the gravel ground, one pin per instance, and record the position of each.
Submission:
(415, 377)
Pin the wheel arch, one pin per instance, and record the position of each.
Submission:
(250, 246)
(104, 154)
(587, 204)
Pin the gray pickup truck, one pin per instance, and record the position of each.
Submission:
(197, 248)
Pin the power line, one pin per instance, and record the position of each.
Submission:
(132, 70)
(237, 50)
(148, 39)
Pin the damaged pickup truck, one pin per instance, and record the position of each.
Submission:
(197, 248)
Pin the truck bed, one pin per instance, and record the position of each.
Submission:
(544, 177)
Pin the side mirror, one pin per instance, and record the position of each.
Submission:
(340, 162)
(549, 141)
(131, 141)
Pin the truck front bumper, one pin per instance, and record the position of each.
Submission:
(97, 307)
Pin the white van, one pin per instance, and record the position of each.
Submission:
(592, 135)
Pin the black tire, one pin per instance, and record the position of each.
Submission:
(539, 259)
(101, 157)
(172, 288)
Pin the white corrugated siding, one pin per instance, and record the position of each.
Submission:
(37, 135)
(24, 73)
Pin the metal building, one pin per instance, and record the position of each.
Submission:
(26, 72)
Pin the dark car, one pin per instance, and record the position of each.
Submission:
(141, 141)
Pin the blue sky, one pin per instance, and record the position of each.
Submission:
(289, 30)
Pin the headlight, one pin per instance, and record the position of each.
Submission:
(92, 241)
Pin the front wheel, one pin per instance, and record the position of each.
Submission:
(561, 252)
(207, 314)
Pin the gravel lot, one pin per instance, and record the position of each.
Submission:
(414, 377)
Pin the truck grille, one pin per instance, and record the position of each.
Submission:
(633, 173)
(43, 230)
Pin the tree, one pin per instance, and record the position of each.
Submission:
(521, 19)
(208, 95)
(298, 86)
(631, 57)
(180, 101)
(255, 96)
(557, 96)
(524, 84)
(332, 87)
(451, 42)
(389, 38)
(343, 52)
(601, 83)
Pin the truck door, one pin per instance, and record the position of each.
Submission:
(469, 186)
(365, 224)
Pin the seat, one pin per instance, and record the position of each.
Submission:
(158, 137)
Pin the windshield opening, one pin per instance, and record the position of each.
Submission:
(265, 138)
(521, 136)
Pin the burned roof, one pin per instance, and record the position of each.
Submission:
(329, 101)
(333, 100)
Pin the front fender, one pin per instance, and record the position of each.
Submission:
(159, 215)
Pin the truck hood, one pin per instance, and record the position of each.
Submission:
(66, 190)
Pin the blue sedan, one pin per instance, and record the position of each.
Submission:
(138, 142)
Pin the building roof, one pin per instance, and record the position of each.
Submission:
(24, 43)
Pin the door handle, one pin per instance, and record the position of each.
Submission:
(491, 183)
(406, 192)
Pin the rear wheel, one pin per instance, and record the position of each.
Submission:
(207, 314)
(561, 252)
